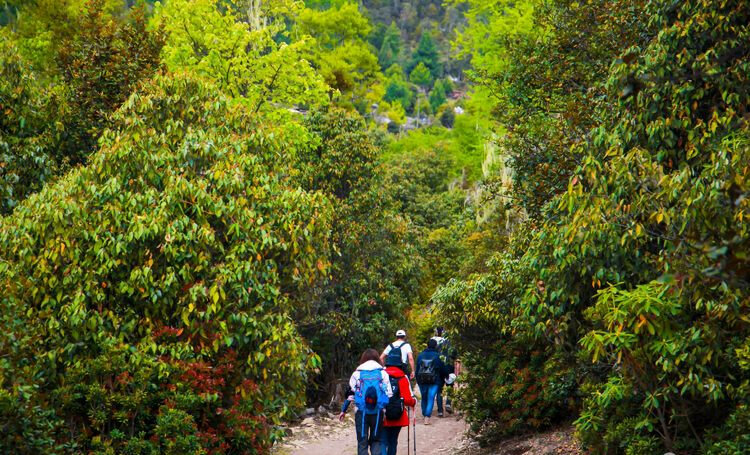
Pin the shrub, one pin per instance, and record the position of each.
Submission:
(146, 295)
(30, 128)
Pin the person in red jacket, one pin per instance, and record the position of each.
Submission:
(396, 415)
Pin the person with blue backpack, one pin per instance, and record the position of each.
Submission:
(370, 388)
(430, 371)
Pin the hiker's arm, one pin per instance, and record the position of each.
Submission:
(386, 383)
(347, 401)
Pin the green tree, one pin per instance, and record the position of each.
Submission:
(339, 50)
(421, 76)
(427, 55)
(390, 50)
(56, 112)
(30, 128)
(102, 64)
(262, 67)
(153, 286)
(373, 277)
(437, 96)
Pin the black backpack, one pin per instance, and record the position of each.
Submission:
(427, 371)
(395, 407)
(394, 356)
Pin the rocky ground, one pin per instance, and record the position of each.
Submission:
(555, 442)
(320, 433)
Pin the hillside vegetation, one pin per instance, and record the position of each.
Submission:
(210, 208)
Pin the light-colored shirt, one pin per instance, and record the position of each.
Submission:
(405, 350)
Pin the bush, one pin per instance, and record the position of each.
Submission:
(513, 382)
(146, 296)
(30, 128)
(448, 117)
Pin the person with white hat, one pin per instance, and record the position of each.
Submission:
(401, 349)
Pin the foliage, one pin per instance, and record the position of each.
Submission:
(390, 50)
(627, 138)
(102, 63)
(339, 50)
(29, 129)
(437, 95)
(397, 88)
(426, 54)
(146, 296)
(54, 114)
(421, 76)
(373, 275)
(461, 148)
(513, 383)
(261, 66)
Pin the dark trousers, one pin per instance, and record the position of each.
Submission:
(391, 439)
(367, 437)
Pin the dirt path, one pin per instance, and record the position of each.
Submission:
(330, 437)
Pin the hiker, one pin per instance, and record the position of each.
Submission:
(400, 348)
(370, 389)
(396, 413)
(447, 356)
(429, 375)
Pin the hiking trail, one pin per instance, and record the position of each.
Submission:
(328, 436)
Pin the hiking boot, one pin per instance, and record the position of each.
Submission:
(427, 421)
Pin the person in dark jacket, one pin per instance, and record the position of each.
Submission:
(393, 427)
(429, 374)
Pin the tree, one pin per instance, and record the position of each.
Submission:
(421, 76)
(102, 64)
(153, 286)
(437, 96)
(390, 50)
(259, 66)
(56, 112)
(30, 129)
(340, 51)
(427, 54)
(372, 277)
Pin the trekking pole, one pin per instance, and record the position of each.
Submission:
(415, 431)
(408, 431)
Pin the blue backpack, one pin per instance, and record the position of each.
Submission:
(370, 396)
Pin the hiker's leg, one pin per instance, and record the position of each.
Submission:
(423, 391)
(440, 399)
(431, 392)
(361, 434)
(376, 422)
(391, 436)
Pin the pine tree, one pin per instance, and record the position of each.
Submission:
(391, 48)
(427, 53)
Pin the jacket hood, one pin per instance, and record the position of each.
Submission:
(369, 366)
(395, 372)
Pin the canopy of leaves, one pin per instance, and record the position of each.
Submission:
(54, 112)
(146, 296)
(256, 65)
(636, 257)
(373, 276)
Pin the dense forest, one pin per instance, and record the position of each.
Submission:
(210, 208)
